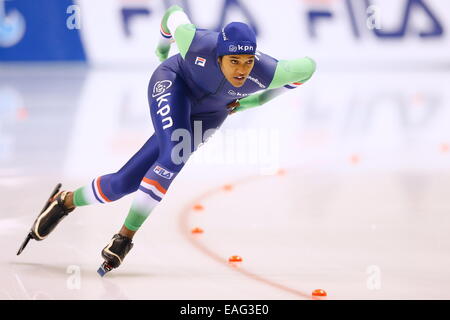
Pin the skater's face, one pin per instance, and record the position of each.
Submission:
(236, 68)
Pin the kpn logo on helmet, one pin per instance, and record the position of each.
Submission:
(240, 48)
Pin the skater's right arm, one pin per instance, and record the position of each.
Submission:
(289, 74)
(175, 24)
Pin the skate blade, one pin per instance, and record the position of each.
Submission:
(47, 203)
(24, 244)
(104, 269)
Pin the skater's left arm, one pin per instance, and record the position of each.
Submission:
(175, 27)
(289, 74)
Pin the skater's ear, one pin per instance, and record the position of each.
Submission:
(219, 60)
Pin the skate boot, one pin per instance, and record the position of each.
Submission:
(51, 215)
(114, 253)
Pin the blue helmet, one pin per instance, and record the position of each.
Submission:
(236, 38)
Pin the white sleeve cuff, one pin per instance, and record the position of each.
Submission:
(177, 19)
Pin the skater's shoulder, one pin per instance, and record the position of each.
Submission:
(265, 66)
(205, 41)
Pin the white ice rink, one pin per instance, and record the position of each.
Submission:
(342, 185)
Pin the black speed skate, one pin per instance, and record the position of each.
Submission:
(114, 253)
(53, 212)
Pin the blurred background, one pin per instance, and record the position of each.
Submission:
(342, 182)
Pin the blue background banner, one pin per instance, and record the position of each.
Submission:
(37, 31)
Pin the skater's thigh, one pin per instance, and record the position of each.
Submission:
(141, 161)
(128, 178)
(170, 109)
(207, 124)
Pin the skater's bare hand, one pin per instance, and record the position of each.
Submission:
(232, 107)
